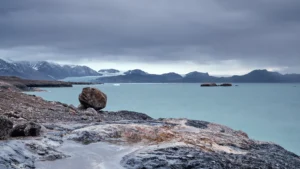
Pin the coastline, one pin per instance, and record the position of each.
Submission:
(162, 143)
(17, 84)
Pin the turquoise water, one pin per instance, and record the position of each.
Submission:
(268, 112)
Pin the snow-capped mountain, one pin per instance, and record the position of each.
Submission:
(110, 72)
(43, 70)
(136, 72)
(20, 70)
(7, 68)
(79, 71)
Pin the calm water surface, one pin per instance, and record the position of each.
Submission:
(268, 112)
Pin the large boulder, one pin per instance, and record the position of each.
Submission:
(27, 129)
(5, 127)
(92, 98)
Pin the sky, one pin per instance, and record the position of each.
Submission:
(222, 37)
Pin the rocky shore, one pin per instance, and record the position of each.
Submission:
(17, 84)
(35, 132)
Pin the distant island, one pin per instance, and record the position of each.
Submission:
(44, 70)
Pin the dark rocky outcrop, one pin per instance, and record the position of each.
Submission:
(197, 124)
(124, 115)
(92, 98)
(28, 129)
(5, 127)
(215, 85)
(226, 84)
(209, 85)
(24, 84)
(12, 83)
(267, 157)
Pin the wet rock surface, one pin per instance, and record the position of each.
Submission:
(23, 154)
(45, 152)
(92, 98)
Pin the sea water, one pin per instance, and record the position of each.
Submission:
(267, 112)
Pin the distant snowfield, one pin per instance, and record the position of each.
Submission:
(90, 78)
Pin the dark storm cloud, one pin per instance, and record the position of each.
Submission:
(256, 31)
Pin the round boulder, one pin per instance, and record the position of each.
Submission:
(5, 127)
(92, 98)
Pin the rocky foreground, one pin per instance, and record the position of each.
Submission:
(34, 132)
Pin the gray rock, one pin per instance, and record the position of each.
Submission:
(5, 127)
(123, 115)
(44, 152)
(197, 124)
(13, 155)
(81, 107)
(87, 137)
(23, 154)
(90, 112)
(73, 108)
(27, 129)
(265, 156)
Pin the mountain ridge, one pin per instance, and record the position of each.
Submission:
(255, 76)
(44, 70)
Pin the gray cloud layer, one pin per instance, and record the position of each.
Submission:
(262, 32)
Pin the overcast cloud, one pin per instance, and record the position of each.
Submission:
(205, 34)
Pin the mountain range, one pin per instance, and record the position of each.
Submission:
(43, 70)
(255, 76)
